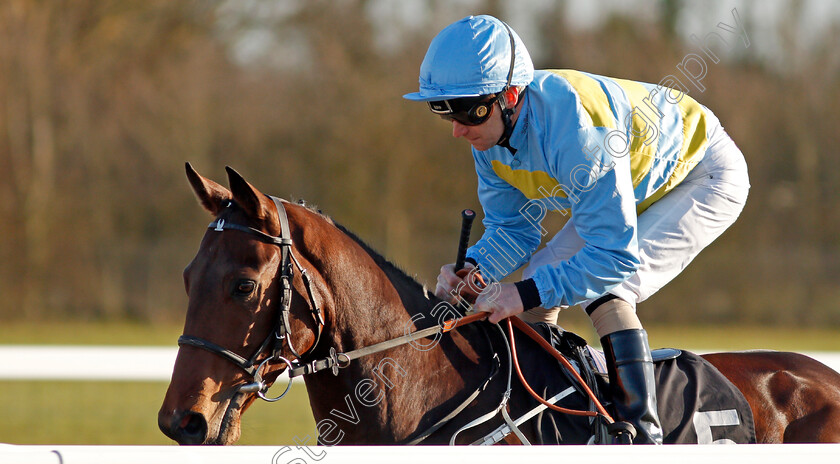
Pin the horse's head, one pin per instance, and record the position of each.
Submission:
(237, 339)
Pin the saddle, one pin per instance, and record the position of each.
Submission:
(696, 403)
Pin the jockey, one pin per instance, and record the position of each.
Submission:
(647, 175)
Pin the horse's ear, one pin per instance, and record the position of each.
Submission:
(246, 196)
(212, 196)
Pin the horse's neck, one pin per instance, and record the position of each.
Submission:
(364, 398)
(374, 299)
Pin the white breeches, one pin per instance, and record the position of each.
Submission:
(672, 231)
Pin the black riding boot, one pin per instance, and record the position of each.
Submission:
(630, 367)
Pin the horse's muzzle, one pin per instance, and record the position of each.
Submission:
(185, 427)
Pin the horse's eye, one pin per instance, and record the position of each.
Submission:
(245, 287)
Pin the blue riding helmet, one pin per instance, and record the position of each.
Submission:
(470, 58)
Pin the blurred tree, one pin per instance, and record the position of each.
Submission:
(101, 102)
(91, 105)
(669, 15)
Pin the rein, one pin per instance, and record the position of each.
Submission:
(525, 328)
(341, 360)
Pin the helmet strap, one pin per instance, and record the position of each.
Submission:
(505, 97)
(507, 115)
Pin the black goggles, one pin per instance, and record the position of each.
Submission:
(469, 111)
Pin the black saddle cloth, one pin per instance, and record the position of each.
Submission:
(696, 403)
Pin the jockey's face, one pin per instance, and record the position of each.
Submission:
(482, 136)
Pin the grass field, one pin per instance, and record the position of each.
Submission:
(118, 413)
(88, 333)
(745, 338)
(68, 412)
(125, 413)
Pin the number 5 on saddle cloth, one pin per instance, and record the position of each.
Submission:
(696, 403)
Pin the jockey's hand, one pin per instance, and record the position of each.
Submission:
(448, 281)
(502, 304)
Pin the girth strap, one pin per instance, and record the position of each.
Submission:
(445, 419)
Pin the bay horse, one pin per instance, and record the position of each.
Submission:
(277, 286)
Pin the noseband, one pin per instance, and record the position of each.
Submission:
(282, 331)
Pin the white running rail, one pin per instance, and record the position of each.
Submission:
(671, 454)
(96, 363)
(135, 363)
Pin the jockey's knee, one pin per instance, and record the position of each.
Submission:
(612, 314)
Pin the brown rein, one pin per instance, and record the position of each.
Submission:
(524, 327)
(337, 360)
(527, 330)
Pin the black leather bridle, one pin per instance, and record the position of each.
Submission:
(297, 367)
(282, 332)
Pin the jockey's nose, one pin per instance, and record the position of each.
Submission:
(458, 129)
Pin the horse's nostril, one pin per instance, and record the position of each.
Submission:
(192, 429)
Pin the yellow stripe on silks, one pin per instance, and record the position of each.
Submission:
(529, 182)
(693, 148)
(592, 97)
(643, 145)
